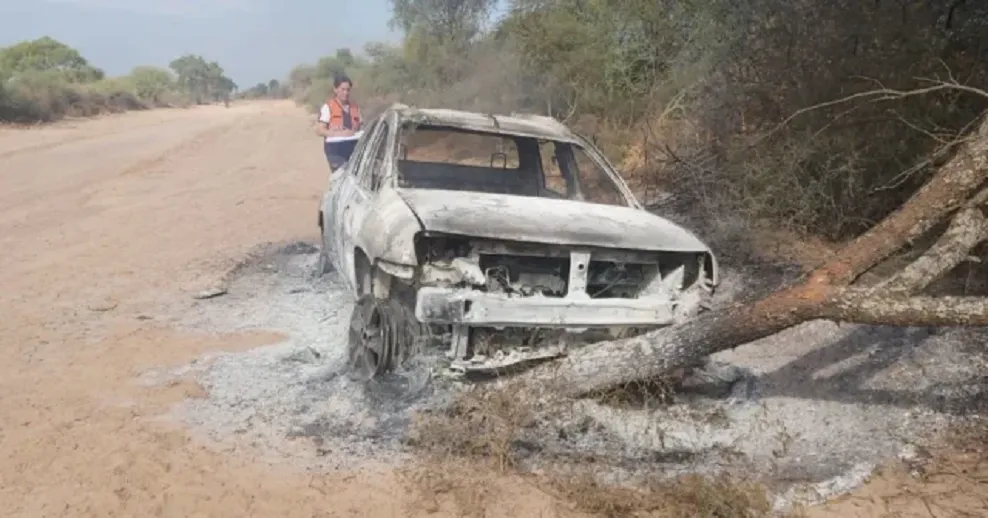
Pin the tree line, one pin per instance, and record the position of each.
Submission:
(698, 97)
(273, 89)
(44, 80)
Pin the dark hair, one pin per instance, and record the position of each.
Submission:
(339, 79)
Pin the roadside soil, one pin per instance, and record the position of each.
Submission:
(108, 228)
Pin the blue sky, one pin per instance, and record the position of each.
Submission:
(254, 40)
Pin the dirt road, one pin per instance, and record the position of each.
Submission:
(103, 224)
(107, 229)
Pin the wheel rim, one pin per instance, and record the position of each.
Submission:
(369, 340)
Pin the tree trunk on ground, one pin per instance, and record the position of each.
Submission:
(957, 191)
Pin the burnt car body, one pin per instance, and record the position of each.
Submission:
(506, 238)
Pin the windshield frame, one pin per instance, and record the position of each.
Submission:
(576, 142)
(599, 160)
(591, 150)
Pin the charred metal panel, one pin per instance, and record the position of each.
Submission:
(546, 220)
(473, 307)
(388, 230)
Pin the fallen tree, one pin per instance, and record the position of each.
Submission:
(957, 193)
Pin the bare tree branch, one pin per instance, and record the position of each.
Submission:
(968, 228)
(606, 365)
(876, 95)
(864, 307)
(939, 153)
(980, 199)
(610, 364)
(947, 191)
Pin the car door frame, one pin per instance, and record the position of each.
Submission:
(344, 191)
(328, 221)
(357, 200)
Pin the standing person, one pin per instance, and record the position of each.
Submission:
(339, 123)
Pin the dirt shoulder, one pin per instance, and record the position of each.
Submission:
(108, 227)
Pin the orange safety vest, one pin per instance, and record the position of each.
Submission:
(336, 114)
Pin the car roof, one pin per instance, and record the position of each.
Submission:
(518, 124)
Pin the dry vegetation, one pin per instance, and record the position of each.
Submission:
(45, 80)
(483, 432)
(688, 496)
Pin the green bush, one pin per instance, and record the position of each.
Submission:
(44, 80)
(41, 96)
(316, 93)
(152, 85)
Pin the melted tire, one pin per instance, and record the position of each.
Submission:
(383, 335)
(368, 351)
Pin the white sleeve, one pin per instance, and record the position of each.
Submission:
(324, 114)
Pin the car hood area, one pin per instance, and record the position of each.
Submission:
(546, 220)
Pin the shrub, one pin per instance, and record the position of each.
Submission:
(44, 80)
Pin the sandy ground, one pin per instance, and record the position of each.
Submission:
(103, 223)
(120, 390)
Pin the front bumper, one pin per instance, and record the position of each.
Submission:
(475, 308)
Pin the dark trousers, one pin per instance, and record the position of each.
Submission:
(337, 153)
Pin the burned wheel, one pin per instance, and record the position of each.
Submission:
(369, 342)
(383, 336)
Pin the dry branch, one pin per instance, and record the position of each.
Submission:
(863, 307)
(967, 229)
(610, 364)
(948, 190)
(825, 294)
(878, 95)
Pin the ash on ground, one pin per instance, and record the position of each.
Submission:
(294, 399)
(814, 408)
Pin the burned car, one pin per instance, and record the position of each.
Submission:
(505, 238)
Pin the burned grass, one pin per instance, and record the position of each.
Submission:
(478, 424)
(475, 450)
(686, 496)
(483, 437)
